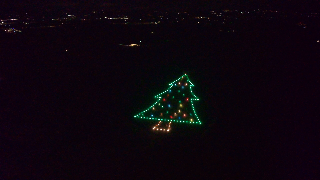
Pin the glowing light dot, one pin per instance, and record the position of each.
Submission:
(180, 105)
(186, 84)
(164, 99)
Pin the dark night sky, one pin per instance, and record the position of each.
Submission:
(294, 5)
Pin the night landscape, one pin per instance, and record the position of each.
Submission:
(73, 74)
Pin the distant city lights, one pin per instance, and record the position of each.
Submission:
(130, 45)
(226, 18)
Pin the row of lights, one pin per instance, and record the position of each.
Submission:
(182, 78)
(173, 83)
(155, 128)
(175, 114)
(180, 104)
(170, 120)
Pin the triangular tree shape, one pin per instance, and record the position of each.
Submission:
(175, 105)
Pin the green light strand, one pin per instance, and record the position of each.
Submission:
(172, 120)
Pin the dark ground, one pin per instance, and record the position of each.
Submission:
(69, 115)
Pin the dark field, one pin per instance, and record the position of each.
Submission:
(69, 115)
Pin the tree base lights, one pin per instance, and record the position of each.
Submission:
(157, 128)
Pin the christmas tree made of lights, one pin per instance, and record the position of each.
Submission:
(175, 105)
